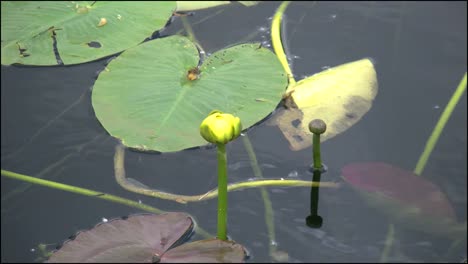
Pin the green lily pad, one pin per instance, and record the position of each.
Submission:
(145, 96)
(30, 27)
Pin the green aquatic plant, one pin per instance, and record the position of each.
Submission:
(404, 196)
(430, 144)
(340, 95)
(74, 32)
(314, 220)
(231, 70)
(220, 128)
(143, 238)
(30, 29)
(135, 186)
(90, 193)
(153, 96)
(317, 127)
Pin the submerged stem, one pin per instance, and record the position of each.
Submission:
(92, 193)
(122, 180)
(432, 141)
(269, 215)
(82, 191)
(430, 144)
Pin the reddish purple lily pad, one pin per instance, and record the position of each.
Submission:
(404, 196)
(206, 251)
(145, 238)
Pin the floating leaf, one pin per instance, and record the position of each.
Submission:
(206, 251)
(153, 97)
(145, 238)
(183, 6)
(340, 96)
(29, 29)
(405, 197)
(249, 3)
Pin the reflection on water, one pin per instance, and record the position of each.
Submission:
(421, 54)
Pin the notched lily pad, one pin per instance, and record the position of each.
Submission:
(405, 197)
(145, 238)
(30, 29)
(340, 96)
(154, 97)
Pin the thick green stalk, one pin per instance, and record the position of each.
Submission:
(316, 151)
(222, 192)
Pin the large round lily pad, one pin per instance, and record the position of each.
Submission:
(146, 98)
(29, 29)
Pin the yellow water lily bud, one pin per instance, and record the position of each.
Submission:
(220, 128)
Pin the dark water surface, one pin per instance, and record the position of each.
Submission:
(420, 54)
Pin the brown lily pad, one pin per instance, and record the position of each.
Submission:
(145, 238)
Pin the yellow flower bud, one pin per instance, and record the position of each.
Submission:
(220, 128)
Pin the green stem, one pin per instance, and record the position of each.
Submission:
(388, 243)
(188, 29)
(269, 215)
(95, 194)
(49, 169)
(222, 192)
(45, 126)
(191, 36)
(203, 19)
(277, 44)
(82, 191)
(316, 151)
(432, 141)
(122, 180)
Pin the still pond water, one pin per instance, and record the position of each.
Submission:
(420, 53)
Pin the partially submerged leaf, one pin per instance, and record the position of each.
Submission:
(183, 6)
(154, 98)
(249, 3)
(206, 251)
(146, 238)
(139, 238)
(339, 96)
(404, 197)
(83, 31)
